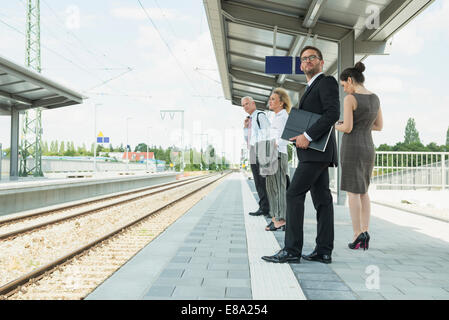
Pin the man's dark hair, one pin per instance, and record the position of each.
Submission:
(320, 55)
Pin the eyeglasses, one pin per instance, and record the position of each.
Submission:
(309, 58)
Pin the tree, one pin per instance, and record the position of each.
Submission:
(54, 147)
(61, 148)
(141, 147)
(45, 148)
(411, 133)
(447, 137)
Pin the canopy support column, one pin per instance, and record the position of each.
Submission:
(346, 59)
(14, 154)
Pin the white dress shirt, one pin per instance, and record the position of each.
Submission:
(257, 134)
(277, 128)
(308, 85)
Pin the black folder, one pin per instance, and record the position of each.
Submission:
(298, 122)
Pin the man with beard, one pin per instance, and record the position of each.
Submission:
(321, 97)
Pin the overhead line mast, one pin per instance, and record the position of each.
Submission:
(31, 139)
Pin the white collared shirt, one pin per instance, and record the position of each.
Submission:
(277, 128)
(309, 84)
(313, 79)
(257, 134)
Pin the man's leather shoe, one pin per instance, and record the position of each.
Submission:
(314, 256)
(282, 256)
(257, 213)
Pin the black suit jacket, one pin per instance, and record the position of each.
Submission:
(322, 98)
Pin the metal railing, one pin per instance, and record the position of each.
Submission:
(411, 170)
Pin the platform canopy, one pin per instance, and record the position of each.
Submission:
(23, 89)
(244, 32)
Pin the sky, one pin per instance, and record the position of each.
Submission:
(90, 46)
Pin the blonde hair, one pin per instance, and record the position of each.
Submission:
(285, 98)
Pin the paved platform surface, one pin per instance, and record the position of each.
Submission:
(213, 252)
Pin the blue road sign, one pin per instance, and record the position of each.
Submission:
(278, 65)
(99, 139)
(106, 139)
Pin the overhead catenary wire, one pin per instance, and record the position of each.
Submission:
(55, 52)
(120, 95)
(168, 47)
(100, 57)
(86, 47)
(72, 52)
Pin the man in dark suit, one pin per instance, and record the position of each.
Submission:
(321, 97)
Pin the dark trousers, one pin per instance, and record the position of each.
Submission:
(260, 183)
(313, 176)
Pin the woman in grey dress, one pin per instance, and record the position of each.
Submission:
(362, 115)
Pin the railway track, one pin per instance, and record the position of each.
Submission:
(16, 286)
(15, 226)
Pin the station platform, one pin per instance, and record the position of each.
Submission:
(214, 252)
(21, 195)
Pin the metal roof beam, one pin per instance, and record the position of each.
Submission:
(314, 12)
(38, 80)
(251, 85)
(15, 98)
(372, 47)
(387, 14)
(28, 91)
(238, 13)
(11, 83)
(59, 105)
(256, 43)
(217, 29)
(263, 80)
(251, 93)
(43, 103)
(246, 56)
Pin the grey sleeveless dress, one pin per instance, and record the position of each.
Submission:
(357, 148)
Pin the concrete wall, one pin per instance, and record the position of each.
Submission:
(26, 195)
(56, 166)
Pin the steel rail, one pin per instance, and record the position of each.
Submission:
(88, 201)
(14, 285)
(41, 225)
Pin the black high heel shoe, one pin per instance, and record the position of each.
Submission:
(365, 244)
(273, 228)
(361, 239)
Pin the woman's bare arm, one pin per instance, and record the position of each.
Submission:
(379, 122)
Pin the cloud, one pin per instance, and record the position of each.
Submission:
(409, 41)
(385, 84)
(392, 69)
(418, 103)
(432, 23)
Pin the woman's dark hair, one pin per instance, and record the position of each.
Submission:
(355, 73)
